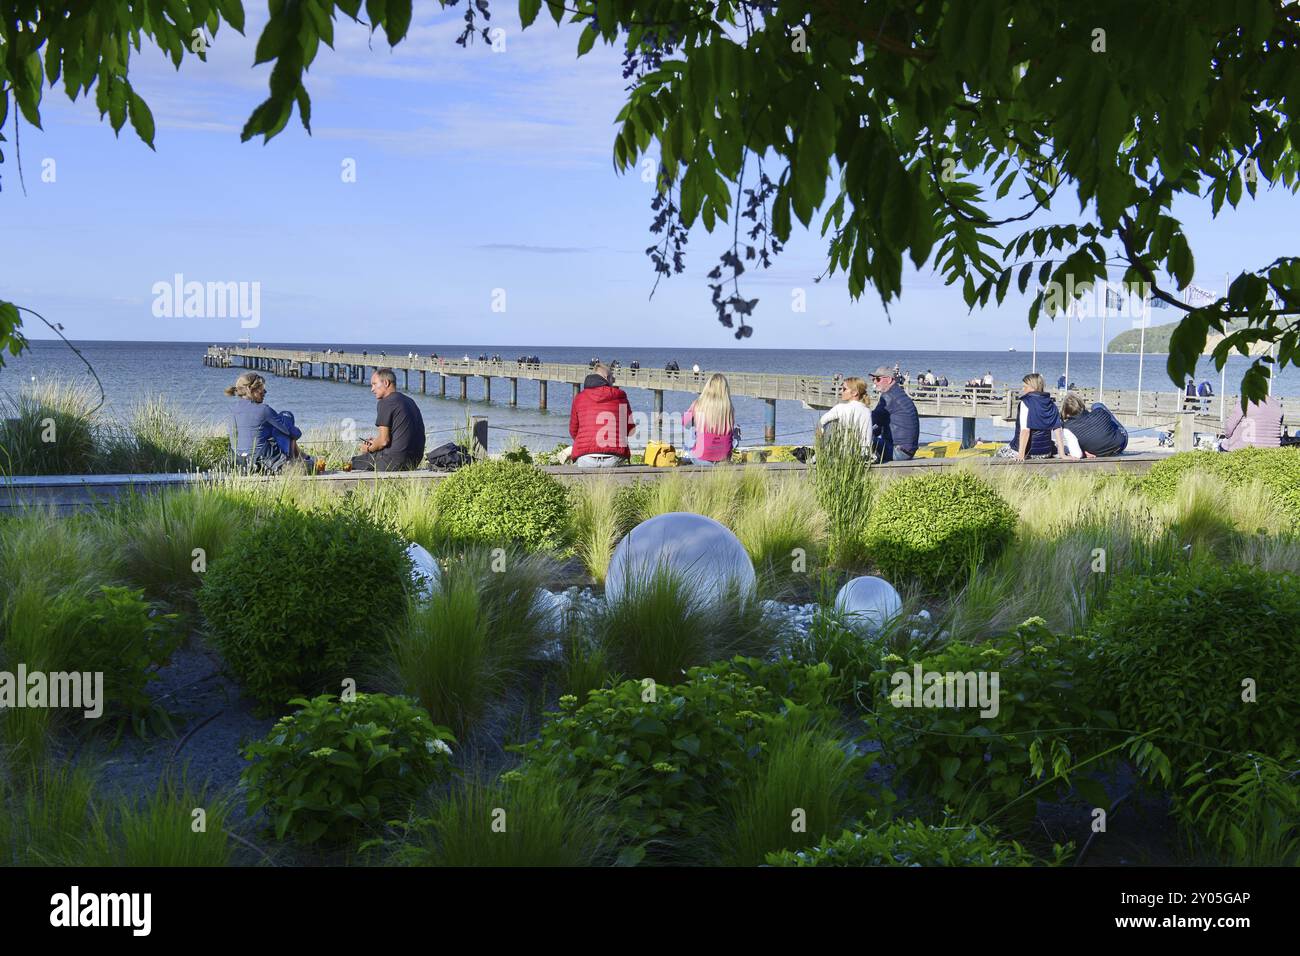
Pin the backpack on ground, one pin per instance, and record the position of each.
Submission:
(660, 454)
(448, 457)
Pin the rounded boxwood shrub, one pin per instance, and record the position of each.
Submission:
(334, 766)
(935, 526)
(1173, 651)
(1278, 469)
(300, 596)
(500, 503)
(913, 843)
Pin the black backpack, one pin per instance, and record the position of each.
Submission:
(448, 457)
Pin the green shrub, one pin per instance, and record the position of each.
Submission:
(111, 631)
(631, 505)
(1277, 468)
(299, 597)
(499, 503)
(914, 843)
(1036, 727)
(668, 757)
(1246, 808)
(334, 766)
(936, 526)
(1174, 651)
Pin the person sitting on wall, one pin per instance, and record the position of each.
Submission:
(713, 417)
(1038, 423)
(851, 414)
(1091, 433)
(600, 422)
(399, 446)
(262, 438)
(895, 418)
(1260, 426)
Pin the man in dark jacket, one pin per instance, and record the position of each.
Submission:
(600, 422)
(894, 418)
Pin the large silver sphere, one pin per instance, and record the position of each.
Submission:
(425, 572)
(868, 602)
(702, 553)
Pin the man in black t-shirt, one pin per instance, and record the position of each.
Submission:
(399, 446)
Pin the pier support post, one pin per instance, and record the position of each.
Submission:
(576, 389)
(541, 394)
(657, 420)
(769, 428)
(514, 392)
(406, 379)
(464, 387)
(442, 385)
(479, 438)
(487, 388)
(968, 433)
(423, 381)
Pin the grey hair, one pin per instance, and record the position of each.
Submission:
(387, 375)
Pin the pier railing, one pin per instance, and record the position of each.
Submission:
(1165, 408)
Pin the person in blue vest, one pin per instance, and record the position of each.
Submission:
(1060, 382)
(1038, 423)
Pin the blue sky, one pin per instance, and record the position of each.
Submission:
(475, 171)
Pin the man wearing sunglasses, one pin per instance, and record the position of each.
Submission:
(894, 417)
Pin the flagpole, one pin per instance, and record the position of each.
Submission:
(1069, 309)
(1035, 366)
(1101, 375)
(1142, 345)
(1223, 375)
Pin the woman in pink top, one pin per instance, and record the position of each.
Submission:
(714, 419)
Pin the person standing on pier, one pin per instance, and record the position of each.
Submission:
(399, 446)
(895, 418)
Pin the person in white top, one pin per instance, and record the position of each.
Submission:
(852, 412)
(988, 378)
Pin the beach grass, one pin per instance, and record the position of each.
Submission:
(528, 820)
(473, 638)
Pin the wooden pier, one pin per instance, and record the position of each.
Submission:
(1156, 409)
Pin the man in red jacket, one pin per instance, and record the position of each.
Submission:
(600, 422)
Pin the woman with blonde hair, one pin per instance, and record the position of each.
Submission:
(261, 437)
(1038, 425)
(852, 414)
(714, 419)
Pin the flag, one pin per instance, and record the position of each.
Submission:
(1113, 300)
(1157, 303)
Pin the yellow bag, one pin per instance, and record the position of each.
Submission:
(660, 454)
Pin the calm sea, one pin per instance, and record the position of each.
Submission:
(132, 371)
